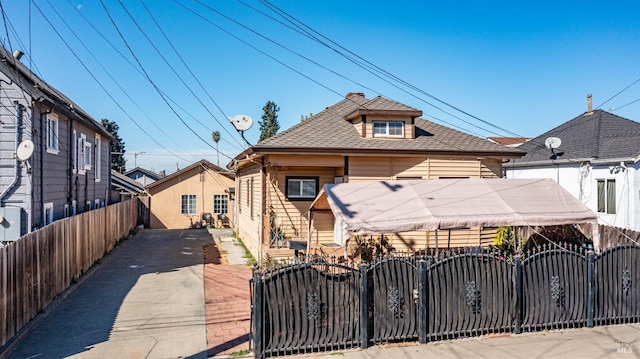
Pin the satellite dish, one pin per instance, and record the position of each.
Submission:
(552, 142)
(24, 150)
(241, 122)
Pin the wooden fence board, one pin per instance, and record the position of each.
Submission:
(40, 265)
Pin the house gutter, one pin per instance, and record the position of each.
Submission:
(593, 161)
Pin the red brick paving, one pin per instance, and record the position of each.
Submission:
(227, 304)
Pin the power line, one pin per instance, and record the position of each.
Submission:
(96, 80)
(625, 105)
(171, 67)
(619, 92)
(149, 78)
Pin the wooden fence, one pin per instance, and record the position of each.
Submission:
(319, 305)
(41, 265)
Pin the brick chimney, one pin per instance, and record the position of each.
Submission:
(589, 104)
(351, 94)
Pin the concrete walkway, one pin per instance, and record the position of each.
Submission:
(145, 300)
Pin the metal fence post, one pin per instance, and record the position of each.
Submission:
(422, 302)
(364, 306)
(591, 270)
(517, 261)
(257, 314)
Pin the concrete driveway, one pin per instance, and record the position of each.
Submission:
(145, 300)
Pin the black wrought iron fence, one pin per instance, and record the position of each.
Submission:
(323, 305)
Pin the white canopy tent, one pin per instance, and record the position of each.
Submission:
(423, 205)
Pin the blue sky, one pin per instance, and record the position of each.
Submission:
(522, 67)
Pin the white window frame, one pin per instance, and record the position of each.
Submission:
(607, 196)
(221, 200)
(47, 213)
(87, 154)
(88, 205)
(80, 154)
(301, 195)
(66, 210)
(96, 203)
(52, 133)
(98, 160)
(388, 129)
(74, 208)
(74, 151)
(189, 198)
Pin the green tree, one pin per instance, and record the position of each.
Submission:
(118, 163)
(215, 136)
(269, 125)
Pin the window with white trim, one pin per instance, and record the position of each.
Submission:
(88, 206)
(96, 203)
(87, 154)
(48, 213)
(188, 204)
(302, 188)
(66, 210)
(74, 151)
(74, 208)
(388, 129)
(220, 203)
(52, 133)
(98, 161)
(607, 196)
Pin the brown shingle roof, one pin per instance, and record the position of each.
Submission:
(329, 131)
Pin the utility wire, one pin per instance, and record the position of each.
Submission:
(112, 78)
(190, 71)
(98, 82)
(619, 92)
(149, 78)
(175, 72)
(625, 105)
(133, 66)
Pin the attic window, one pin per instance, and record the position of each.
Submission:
(388, 129)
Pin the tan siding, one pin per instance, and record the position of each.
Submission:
(292, 215)
(305, 160)
(249, 228)
(369, 169)
(487, 236)
(410, 167)
(453, 168)
(166, 197)
(359, 126)
(491, 168)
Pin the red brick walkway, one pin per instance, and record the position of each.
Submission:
(227, 304)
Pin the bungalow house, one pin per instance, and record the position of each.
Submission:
(55, 158)
(595, 157)
(144, 176)
(355, 140)
(124, 188)
(199, 192)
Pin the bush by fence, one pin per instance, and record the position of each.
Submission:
(39, 266)
(319, 305)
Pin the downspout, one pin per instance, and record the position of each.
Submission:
(16, 165)
(74, 149)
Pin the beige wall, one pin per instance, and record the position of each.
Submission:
(166, 197)
(292, 215)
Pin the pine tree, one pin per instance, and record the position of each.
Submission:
(118, 163)
(269, 125)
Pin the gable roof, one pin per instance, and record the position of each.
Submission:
(330, 132)
(148, 173)
(598, 135)
(40, 90)
(203, 163)
(121, 182)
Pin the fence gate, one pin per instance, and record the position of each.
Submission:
(392, 305)
(469, 294)
(306, 307)
(617, 284)
(554, 284)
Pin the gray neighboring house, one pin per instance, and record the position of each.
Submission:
(598, 161)
(54, 157)
(124, 188)
(145, 177)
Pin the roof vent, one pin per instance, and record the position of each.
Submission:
(18, 54)
(351, 94)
